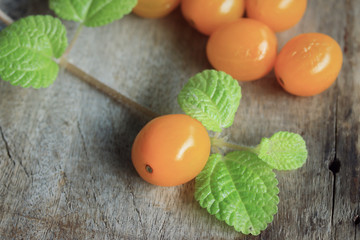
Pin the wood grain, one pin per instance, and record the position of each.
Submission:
(346, 208)
(65, 168)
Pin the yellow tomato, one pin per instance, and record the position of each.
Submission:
(245, 49)
(171, 150)
(308, 64)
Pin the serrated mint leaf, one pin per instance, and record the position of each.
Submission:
(92, 13)
(239, 189)
(212, 97)
(27, 49)
(283, 151)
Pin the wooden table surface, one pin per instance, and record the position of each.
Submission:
(65, 167)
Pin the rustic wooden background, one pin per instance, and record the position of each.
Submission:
(65, 168)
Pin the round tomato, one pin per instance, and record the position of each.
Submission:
(279, 15)
(155, 8)
(245, 49)
(171, 150)
(208, 15)
(308, 64)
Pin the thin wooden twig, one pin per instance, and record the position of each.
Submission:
(105, 88)
(5, 18)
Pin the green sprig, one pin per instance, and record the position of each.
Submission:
(239, 188)
(282, 151)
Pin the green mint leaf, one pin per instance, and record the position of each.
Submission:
(239, 189)
(212, 97)
(27, 49)
(283, 151)
(92, 13)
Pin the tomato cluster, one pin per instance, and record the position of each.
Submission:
(246, 48)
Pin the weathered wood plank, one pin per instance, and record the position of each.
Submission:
(346, 163)
(65, 169)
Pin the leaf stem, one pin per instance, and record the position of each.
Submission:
(217, 134)
(5, 18)
(73, 40)
(221, 143)
(105, 88)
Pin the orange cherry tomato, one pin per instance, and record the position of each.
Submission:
(171, 150)
(245, 49)
(207, 15)
(279, 15)
(155, 8)
(308, 64)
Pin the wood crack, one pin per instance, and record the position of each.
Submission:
(7, 146)
(9, 153)
(82, 140)
(54, 219)
(162, 231)
(334, 166)
(336, 163)
(26, 173)
(355, 234)
(345, 116)
(138, 213)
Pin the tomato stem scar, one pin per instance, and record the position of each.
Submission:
(148, 169)
(281, 81)
(109, 91)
